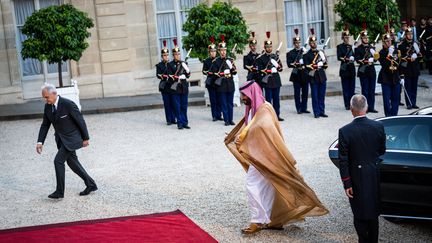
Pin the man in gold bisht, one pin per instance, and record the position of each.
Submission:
(277, 193)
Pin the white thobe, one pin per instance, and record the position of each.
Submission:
(260, 193)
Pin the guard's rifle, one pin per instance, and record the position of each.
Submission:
(267, 71)
(221, 74)
(299, 56)
(178, 72)
(349, 53)
(317, 58)
(367, 55)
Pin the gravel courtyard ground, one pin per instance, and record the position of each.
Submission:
(142, 166)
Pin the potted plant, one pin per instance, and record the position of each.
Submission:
(57, 34)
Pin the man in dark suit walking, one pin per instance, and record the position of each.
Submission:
(70, 134)
(360, 144)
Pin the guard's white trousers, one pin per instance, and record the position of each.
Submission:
(260, 194)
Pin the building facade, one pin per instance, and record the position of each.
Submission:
(126, 40)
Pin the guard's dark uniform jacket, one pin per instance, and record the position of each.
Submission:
(250, 65)
(162, 74)
(207, 71)
(408, 68)
(320, 75)
(264, 66)
(361, 55)
(298, 73)
(175, 69)
(219, 66)
(361, 142)
(386, 74)
(347, 68)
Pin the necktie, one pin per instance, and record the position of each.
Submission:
(54, 110)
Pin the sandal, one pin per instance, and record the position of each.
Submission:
(253, 228)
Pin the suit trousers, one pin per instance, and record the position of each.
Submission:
(367, 230)
(368, 90)
(72, 160)
(348, 89)
(168, 107)
(226, 100)
(318, 91)
(390, 94)
(272, 96)
(214, 103)
(411, 84)
(301, 92)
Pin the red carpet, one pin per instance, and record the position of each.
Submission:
(159, 227)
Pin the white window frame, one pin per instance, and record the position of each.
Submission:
(304, 24)
(179, 33)
(45, 74)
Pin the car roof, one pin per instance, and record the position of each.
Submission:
(405, 117)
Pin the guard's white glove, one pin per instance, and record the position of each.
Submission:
(182, 76)
(391, 50)
(372, 51)
(413, 56)
(320, 64)
(416, 47)
(370, 59)
(304, 49)
(273, 70)
(402, 81)
(301, 61)
(351, 58)
(185, 67)
(321, 54)
(228, 62)
(227, 71)
(274, 62)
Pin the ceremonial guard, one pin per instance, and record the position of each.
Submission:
(249, 60)
(345, 54)
(224, 69)
(165, 85)
(301, 87)
(316, 62)
(389, 76)
(410, 68)
(269, 65)
(210, 81)
(179, 72)
(364, 56)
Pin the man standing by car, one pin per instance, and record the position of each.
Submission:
(360, 144)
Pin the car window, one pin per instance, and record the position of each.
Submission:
(409, 134)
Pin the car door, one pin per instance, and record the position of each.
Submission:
(406, 169)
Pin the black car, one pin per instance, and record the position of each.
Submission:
(406, 167)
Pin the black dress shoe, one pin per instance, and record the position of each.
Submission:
(323, 115)
(227, 124)
(347, 108)
(88, 190)
(179, 127)
(409, 107)
(316, 116)
(232, 123)
(186, 126)
(306, 111)
(415, 107)
(214, 119)
(401, 104)
(169, 123)
(55, 195)
(373, 111)
(299, 112)
(281, 119)
(220, 119)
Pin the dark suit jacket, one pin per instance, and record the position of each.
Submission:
(69, 125)
(360, 144)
